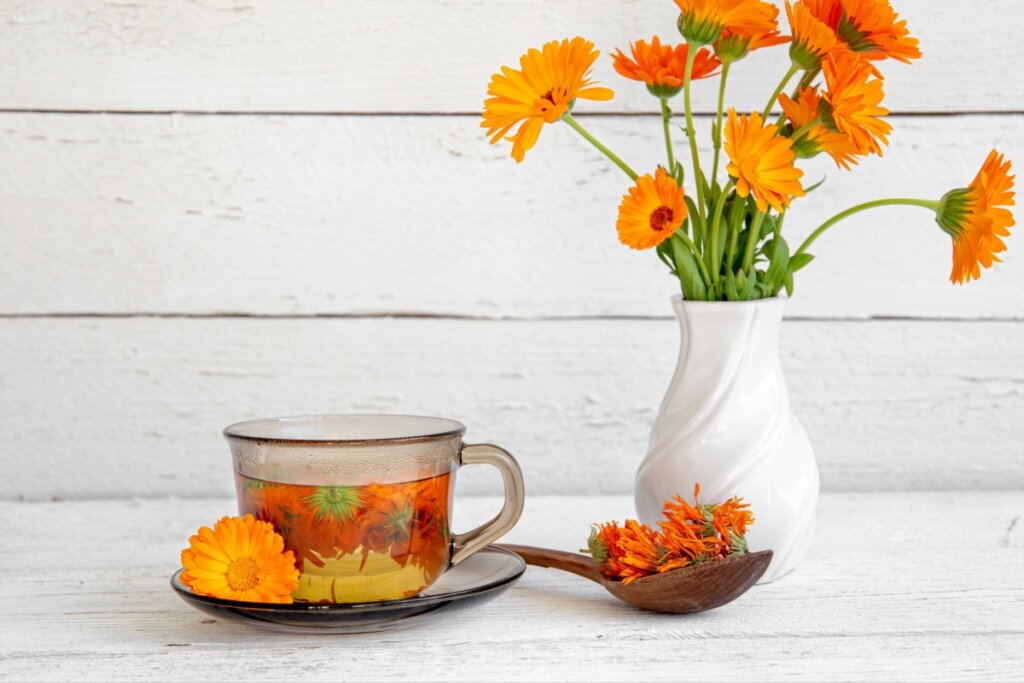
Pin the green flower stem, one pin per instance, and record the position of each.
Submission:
(718, 126)
(696, 255)
(711, 253)
(574, 124)
(692, 135)
(804, 129)
(924, 203)
(752, 240)
(666, 118)
(793, 68)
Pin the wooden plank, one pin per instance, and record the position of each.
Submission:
(134, 407)
(423, 56)
(308, 215)
(888, 593)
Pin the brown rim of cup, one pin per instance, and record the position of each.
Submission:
(230, 433)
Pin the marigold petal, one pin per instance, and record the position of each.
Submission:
(596, 93)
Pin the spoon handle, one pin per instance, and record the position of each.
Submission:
(580, 565)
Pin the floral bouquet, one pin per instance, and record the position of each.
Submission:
(724, 241)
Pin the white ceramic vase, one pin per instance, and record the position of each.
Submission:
(726, 423)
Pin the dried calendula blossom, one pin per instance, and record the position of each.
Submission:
(628, 552)
(688, 534)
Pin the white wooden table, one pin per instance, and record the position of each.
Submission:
(900, 586)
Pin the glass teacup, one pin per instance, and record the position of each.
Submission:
(364, 500)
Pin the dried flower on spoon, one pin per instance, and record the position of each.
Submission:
(688, 534)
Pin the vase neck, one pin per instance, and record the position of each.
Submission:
(710, 329)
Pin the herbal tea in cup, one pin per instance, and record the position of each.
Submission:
(358, 543)
(364, 500)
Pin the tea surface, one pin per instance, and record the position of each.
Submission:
(357, 543)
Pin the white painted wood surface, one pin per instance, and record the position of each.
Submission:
(899, 586)
(355, 215)
(372, 193)
(422, 55)
(134, 407)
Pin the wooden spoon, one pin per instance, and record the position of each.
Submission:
(680, 591)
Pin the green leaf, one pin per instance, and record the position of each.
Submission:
(799, 261)
(731, 290)
(664, 253)
(745, 285)
(679, 173)
(778, 265)
(687, 271)
(707, 192)
(723, 237)
(815, 186)
(694, 219)
(716, 191)
(717, 291)
(789, 283)
(748, 285)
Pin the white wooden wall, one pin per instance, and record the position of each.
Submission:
(225, 209)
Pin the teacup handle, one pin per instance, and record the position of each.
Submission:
(464, 545)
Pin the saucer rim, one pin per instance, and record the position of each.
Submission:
(301, 607)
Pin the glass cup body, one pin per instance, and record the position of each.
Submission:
(364, 501)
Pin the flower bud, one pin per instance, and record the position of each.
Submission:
(732, 48)
(698, 32)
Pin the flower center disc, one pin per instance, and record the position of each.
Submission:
(661, 218)
(242, 574)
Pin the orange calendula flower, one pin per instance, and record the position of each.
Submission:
(852, 103)
(663, 67)
(652, 210)
(977, 217)
(240, 558)
(870, 28)
(541, 91)
(702, 21)
(803, 111)
(812, 38)
(735, 42)
(761, 161)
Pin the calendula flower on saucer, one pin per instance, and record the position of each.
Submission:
(240, 558)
